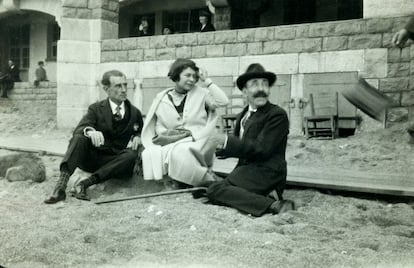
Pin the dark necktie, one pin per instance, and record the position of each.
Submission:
(118, 115)
(248, 115)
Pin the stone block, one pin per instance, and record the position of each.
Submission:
(398, 114)
(107, 56)
(302, 45)
(412, 52)
(75, 3)
(398, 69)
(225, 37)
(302, 31)
(277, 63)
(379, 25)
(143, 42)
(205, 38)
(69, 12)
(215, 51)
(365, 41)
(79, 51)
(80, 74)
(121, 55)
(158, 68)
(92, 30)
(271, 47)
(228, 66)
(111, 45)
(255, 48)
(321, 29)
(394, 84)
(395, 97)
(407, 98)
(375, 63)
(246, 35)
(384, 8)
(235, 49)
(165, 53)
(190, 39)
(396, 54)
(175, 40)
(335, 43)
(92, 4)
(128, 43)
(183, 52)
(264, 34)
(198, 51)
(136, 55)
(411, 83)
(350, 27)
(84, 13)
(113, 6)
(109, 30)
(333, 61)
(105, 15)
(149, 54)
(399, 22)
(284, 33)
(387, 40)
(158, 41)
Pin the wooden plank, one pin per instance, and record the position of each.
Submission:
(338, 179)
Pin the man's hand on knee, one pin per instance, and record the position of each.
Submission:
(134, 143)
(96, 137)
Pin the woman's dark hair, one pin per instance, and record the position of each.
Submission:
(180, 65)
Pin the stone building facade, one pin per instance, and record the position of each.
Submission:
(89, 45)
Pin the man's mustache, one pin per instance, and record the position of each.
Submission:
(260, 94)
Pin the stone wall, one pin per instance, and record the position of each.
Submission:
(362, 45)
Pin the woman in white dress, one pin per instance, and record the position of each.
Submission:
(177, 127)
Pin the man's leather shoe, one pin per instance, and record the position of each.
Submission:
(58, 195)
(80, 192)
(281, 206)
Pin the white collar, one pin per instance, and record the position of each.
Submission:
(114, 105)
(251, 109)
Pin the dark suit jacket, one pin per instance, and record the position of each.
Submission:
(99, 116)
(209, 28)
(13, 73)
(264, 140)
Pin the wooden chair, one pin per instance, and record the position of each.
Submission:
(235, 106)
(323, 118)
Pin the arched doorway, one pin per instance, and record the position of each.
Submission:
(27, 38)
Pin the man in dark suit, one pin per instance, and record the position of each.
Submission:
(399, 39)
(259, 141)
(7, 81)
(105, 142)
(205, 21)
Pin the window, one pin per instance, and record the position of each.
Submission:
(19, 43)
(183, 21)
(53, 35)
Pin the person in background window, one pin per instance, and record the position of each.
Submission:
(144, 28)
(205, 21)
(11, 76)
(399, 39)
(40, 74)
(168, 30)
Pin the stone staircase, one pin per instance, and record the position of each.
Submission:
(24, 92)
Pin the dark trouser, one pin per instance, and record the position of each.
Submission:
(6, 85)
(104, 164)
(246, 189)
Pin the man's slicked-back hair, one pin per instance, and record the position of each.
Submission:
(107, 75)
(180, 65)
